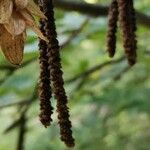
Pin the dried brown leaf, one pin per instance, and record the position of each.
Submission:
(34, 9)
(12, 47)
(16, 24)
(30, 22)
(6, 8)
(21, 4)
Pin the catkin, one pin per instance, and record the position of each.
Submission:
(128, 26)
(112, 28)
(53, 54)
(44, 82)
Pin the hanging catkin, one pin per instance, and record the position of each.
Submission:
(112, 28)
(56, 74)
(44, 82)
(128, 26)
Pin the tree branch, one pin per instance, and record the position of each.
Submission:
(95, 10)
(94, 69)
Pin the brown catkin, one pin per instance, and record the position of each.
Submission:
(128, 26)
(44, 82)
(133, 15)
(112, 28)
(134, 27)
(56, 74)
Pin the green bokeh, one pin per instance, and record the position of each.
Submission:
(110, 110)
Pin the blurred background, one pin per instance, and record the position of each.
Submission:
(109, 101)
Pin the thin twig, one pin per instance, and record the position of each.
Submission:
(11, 69)
(94, 69)
(22, 131)
(75, 33)
(22, 102)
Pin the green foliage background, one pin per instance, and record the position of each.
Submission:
(110, 108)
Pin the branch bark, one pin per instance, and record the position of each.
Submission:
(95, 10)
